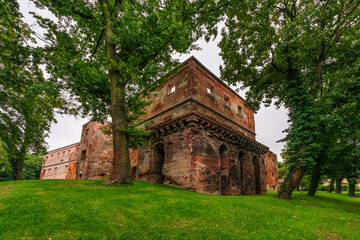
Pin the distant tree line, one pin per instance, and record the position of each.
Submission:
(31, 167)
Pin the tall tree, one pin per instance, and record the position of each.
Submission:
(27, 100)
(279, 49)
(339, 111)
(110, 53)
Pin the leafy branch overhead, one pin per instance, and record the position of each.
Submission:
(110, 54)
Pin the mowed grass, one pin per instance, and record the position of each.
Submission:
(86, 209)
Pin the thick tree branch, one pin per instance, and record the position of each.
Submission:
(98, 42)
(74, 11)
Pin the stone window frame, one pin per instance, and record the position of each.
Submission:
(171, 88)
(210, 91)
(240, 111)
(227, 102)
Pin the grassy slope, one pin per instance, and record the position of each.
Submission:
(86, 209)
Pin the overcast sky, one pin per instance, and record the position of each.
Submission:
(269, 122)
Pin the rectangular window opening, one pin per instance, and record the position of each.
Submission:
(227, 102)
(240, 110)
(171, 88)
(83, 154)
(210, 90)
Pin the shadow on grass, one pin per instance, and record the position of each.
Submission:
(331, 201)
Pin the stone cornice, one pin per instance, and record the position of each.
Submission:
(216, 130)
(203, 105)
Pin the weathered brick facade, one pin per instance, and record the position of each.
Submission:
(203, 138)
(57, 164)
(271, 171)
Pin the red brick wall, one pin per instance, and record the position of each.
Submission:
(56, 162)
(192, 81)
(95, 154)
(271, 171)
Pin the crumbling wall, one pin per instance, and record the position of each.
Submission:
(193, 159)
(176, 163)
(56, 162)
(195, 81)
(95, 154)
(271, 171)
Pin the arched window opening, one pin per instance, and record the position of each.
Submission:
(257, 175)
(159, 157)
(224, 162)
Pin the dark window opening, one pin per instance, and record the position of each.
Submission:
(227, 100)
(240, 110)
(158, 162)
(83, 154)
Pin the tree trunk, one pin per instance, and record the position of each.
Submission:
(290, 182)
(331, 186)
(17, 164)
(352, 186)
(338, 185)
(315, 178)
(121, 161)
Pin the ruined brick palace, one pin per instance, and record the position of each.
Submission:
(203, 138)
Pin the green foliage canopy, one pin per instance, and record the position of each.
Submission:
(27, 100)
(109, 55)
(292, 52)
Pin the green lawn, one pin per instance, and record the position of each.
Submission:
(86, 209)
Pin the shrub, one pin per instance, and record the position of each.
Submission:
(323, 188)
